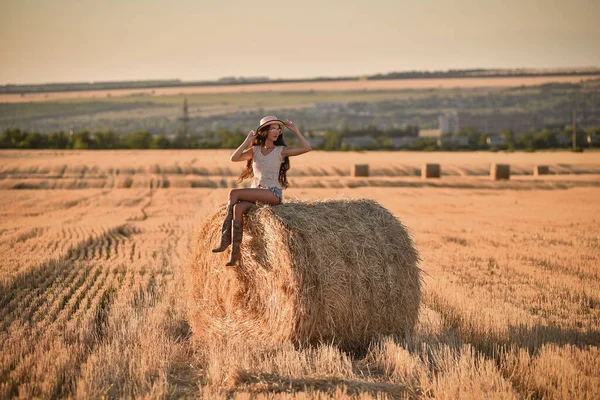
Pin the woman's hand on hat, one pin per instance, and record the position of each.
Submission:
(290, 125)
(251, 135)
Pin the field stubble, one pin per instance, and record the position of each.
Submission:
(92, 300)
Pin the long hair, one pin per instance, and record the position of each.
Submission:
(259, 140)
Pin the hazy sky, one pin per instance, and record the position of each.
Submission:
(99, 40)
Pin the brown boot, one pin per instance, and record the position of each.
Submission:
(225, 231)
(238, 233)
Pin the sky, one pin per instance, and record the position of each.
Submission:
(43, 41)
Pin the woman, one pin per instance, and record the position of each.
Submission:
(267, 159)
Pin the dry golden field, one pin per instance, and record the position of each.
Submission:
(93, 284)
(333, 86)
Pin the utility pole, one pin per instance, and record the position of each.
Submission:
(186, 116)
(181, 138)
(574, 128)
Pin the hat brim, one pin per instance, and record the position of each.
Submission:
(275, 121)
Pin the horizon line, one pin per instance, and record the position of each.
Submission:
(263, 79)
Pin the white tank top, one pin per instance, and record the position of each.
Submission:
(266, 168)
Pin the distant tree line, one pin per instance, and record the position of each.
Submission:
(552, 137)
(332, 140)
(480, 73)
(83, 140)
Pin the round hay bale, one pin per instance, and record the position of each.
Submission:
(336, 271)
(123, 182)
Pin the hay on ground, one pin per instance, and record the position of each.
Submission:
(360, 170)
(431, 171)
(500, 171)
(337, 271)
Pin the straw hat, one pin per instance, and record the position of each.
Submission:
(268, 120)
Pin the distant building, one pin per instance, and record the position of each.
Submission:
(490, 123)
(496, 122)
(316, 141)
(254, 79)
(360, 142)
(562, 140)
(329, 107)
(460, 141)
(449, 123)
(495, 140)
(430, 132)
(243, 79)
(227, 79)
(402, 141)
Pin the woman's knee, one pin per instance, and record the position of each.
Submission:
(233, 196)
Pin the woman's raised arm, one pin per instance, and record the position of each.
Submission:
(295, 151)
(244, 152)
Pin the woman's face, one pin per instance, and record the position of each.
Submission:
(274, 132)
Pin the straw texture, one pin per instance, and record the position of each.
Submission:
(337, 271)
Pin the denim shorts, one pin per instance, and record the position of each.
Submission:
(275, 190)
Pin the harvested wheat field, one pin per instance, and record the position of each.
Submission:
(96, 296)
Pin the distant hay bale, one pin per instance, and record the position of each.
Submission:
(337, 271)
(186, 168)
(123, 182)
(360, 170)
(203, 182)
(176, 182)
(58, 170)
(159, 181)
(91, 183)
(541, 170)
(500, 171)
(431, 171)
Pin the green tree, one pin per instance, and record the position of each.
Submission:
(180, 141)
(139, 140)
(424, 143)
(472, 135)
(580, 136)
(12, 138)
(509, 138)
(333, 140)
(81, 140)
(482, 142)
(34, 140)
(58, 140)
(107, 140)
(384, 142)
(159, 142)
(230, 140)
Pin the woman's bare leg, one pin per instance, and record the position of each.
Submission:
(244, 200)
(241, 208)
(252, 196)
